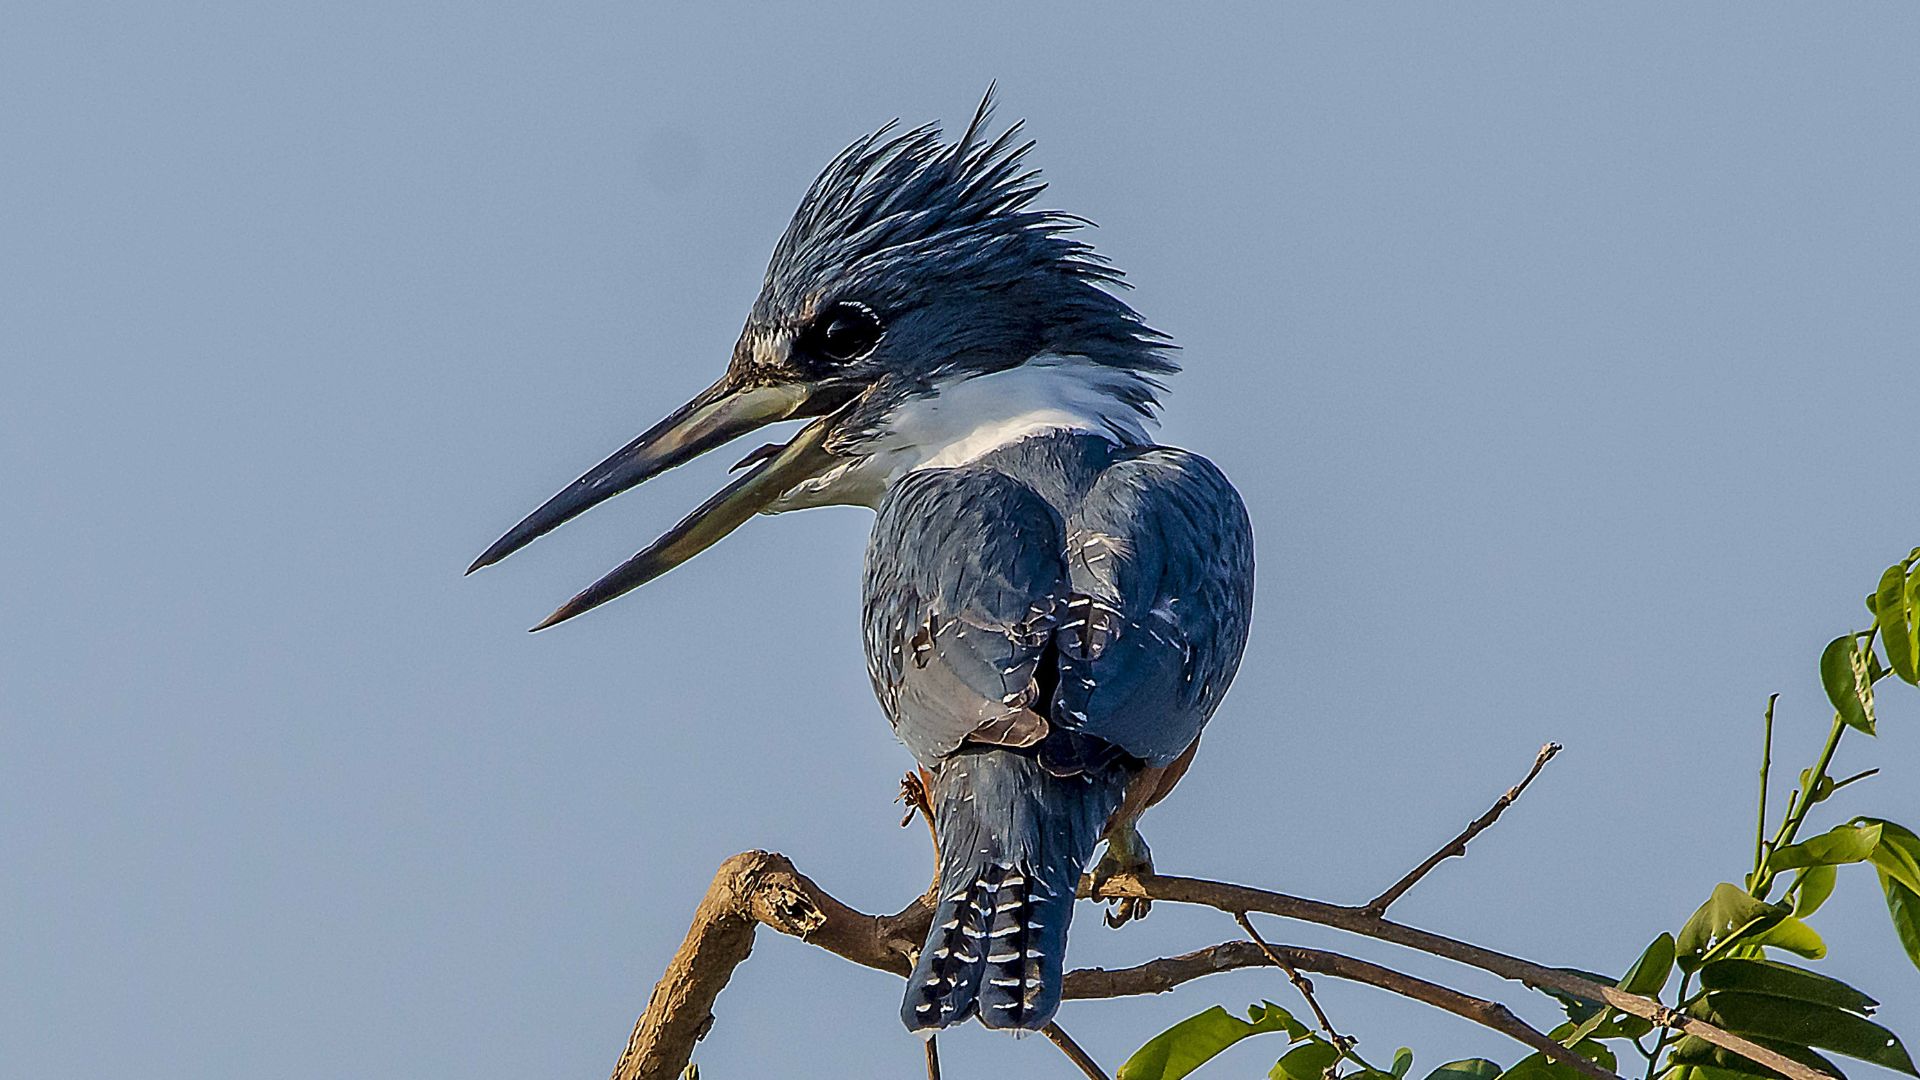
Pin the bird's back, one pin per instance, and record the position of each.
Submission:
(1107, 589)
(1042, 625)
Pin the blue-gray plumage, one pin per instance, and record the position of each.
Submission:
(1053, 605)
(1042, 626)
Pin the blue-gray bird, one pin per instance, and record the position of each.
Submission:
(1053, 605)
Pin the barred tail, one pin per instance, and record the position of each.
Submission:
(1014, 839)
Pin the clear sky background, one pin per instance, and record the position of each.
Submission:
(1565, 357)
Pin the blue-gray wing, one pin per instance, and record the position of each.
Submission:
(1160, 558)
(964, 573)
(992, 618)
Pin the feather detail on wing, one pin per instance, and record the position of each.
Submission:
(1113, 622)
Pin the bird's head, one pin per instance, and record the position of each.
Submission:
(912, 269)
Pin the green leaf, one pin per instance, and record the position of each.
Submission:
(1466, 1069)
(1804, 1023)
(1648, 975)
(1843, 671)
(1709, 1072)
(1696, 1051)
(1196, 1040)
(1728, 914)
(1898, 854)
(1903, 904)
(1893, 612)
(1897, 858)
(1402, 1062)
(1784, 980)
(1812, 888)
(1841, 844)
(1606, 1024)
(1794, 936)
(1542, 1067)
(1308, 1061)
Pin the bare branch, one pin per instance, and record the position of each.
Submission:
(750, 889)
(933, 1059)
(1458, 845)
(1162, 975)
(1081, 1059)
(1356, 920)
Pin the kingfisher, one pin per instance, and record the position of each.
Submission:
(1052, 604)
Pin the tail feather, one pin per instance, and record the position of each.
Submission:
(1014, 840)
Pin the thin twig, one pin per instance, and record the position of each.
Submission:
(1342, 1043)
(1458, 845)
(1057, 1036)
(1854, 779)
(933, 1060)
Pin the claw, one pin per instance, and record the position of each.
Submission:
(1126, 853)
(913, 793)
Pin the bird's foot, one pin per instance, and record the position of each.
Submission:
(1127, 854)
(913, 792)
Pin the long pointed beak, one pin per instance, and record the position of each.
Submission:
(717, 415)
(769, 479)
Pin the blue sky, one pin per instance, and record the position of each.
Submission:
(1564, 356)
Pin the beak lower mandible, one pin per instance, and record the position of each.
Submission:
(718, 414)
(806, 456)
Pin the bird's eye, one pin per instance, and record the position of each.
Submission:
(843, 332)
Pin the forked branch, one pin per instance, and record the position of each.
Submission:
(762, 888)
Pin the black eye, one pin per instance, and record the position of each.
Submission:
(843, 332)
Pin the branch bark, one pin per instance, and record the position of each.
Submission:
(758, 888)
(751, 889)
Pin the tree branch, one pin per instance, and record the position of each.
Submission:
(750, 889)
(1357, 920)
(1458, 845)
(1488, 1013)
(758, 887)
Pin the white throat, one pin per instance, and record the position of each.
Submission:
(969, 418)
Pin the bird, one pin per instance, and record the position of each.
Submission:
(1052, 604)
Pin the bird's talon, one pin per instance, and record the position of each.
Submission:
(914, 793)
(1124, 910)
(1126, 854)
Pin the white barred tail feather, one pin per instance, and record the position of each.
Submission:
(1014, 840)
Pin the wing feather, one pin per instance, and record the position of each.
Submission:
(1129, 612)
